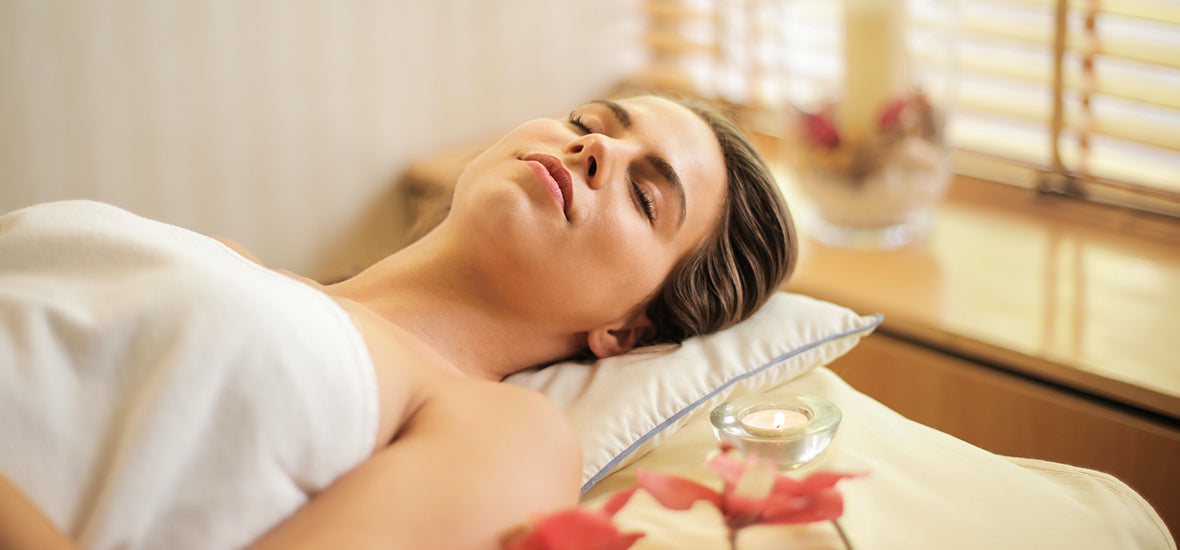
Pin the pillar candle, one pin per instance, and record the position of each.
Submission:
(874, 63)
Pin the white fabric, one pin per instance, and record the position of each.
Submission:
(623, 406)
(924, 490)
(157, 390)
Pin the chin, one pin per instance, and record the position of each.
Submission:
(505, 221)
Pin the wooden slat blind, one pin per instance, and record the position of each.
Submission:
(1083, 96)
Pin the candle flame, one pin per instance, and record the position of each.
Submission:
(779, 420)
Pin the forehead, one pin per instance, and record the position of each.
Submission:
(687, 142)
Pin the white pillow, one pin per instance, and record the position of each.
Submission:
(624, 406)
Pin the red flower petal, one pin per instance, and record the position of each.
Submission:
(622, 542)
(891, 113)
(742, 512)
(617, 501)
(575, 529)
(674, 492)
(727, 466)
(820, 130)
(821, 506)
(813, 498)
(811, 483)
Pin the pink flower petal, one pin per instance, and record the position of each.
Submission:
(617, 501)
(622, 542)
(891, 113)
(758, 479)
(675, 492)
(824, 505)
(811, 483)
(813, 498)
(575, 529)
(820, 130)
(726, 465)
(741, 512)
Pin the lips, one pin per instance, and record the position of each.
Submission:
(556, 178)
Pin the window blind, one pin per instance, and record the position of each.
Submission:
(1073, 96)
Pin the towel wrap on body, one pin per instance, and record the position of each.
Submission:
(158, 390)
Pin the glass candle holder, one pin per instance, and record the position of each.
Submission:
(769, 426)
(869, 87)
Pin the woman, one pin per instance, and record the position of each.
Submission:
(631, 223)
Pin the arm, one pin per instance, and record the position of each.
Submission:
(469, 466)
(23, 526)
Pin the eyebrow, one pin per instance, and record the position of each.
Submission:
(619, 111)
(661, 165)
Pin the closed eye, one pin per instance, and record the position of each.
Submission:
(575, 120)
(644, 200)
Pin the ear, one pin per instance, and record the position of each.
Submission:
(618, 339)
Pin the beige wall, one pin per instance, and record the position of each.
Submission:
(282, 124)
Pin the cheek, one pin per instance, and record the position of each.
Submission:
(631, 267)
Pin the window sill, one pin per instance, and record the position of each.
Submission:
(1078, 295)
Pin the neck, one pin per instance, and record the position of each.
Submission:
(431, 292)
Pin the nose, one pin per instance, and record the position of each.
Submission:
(589, 155)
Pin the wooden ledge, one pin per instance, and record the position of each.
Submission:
(1071, 293)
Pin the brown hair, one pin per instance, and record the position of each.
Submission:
(748, 256)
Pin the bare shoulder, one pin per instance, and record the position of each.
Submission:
(522, 424)
(490, 454)
(423, 397)
(508, 399)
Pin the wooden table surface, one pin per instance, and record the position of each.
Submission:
(1083, 296)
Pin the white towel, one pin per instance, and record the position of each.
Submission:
(157, 390)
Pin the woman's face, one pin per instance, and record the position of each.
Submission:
(580, 220)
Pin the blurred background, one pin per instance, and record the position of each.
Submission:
(285, 124)
(281, 124)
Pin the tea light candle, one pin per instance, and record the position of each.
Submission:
(788, 429)
(773, 421)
